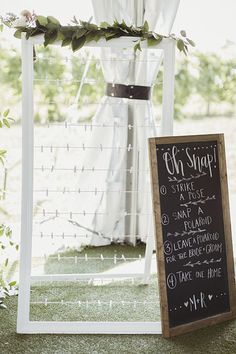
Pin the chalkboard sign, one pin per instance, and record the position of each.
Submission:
(194, 246)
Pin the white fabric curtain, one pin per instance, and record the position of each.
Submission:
(123, 118)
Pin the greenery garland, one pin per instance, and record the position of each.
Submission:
(81, 32)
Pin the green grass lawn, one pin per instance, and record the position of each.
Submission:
(216, 339)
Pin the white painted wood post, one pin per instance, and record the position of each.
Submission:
(27, 186)
(167, 121)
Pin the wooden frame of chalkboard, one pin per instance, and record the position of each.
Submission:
(193, 232)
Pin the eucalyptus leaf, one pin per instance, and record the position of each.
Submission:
(6, 112)
(152, 41)
(12, 283)
(78, 43)
(137, 47)
(146, 26)
(42, 20)
(17, 34)
(6, 123)
(191, 42)
(104, 25)
(52, 19)
(51, 26)
(66, 42)
(90, 37)
(180, 45)
(80, 33)
(50, 37)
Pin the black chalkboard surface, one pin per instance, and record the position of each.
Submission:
(194, 246)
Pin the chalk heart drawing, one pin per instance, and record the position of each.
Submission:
(186, 304)
(210, 297)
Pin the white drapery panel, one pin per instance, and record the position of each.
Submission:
(124, 116)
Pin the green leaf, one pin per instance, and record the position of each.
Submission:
(17, 34)
(52, 26)
(146, 26)
(90, 37)
(104, 25)
(6, 112)
(6, 262)
(42, 20)
(137, 47)
(0, 124)
(191, 42)
(5, 121)
(91, 27)
(52, 19)
(78, 43)
(50, 37)
(74, 20)
(1, 27)
(97, 37)
(153, 41)
(3, 152)
(66, 42)
(180, 45)
(112, 35)
(12, 283)
(183, 33)
(80, 32)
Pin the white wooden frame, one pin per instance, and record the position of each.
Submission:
(24, 325)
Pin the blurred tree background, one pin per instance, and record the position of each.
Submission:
(205, 85)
